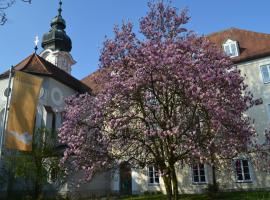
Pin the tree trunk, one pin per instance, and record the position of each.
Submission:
(168, 185)
(174, 183)
(215, 186)
(214, 178)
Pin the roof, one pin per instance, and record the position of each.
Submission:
(252, 45)
(34, 64)
(91, 81)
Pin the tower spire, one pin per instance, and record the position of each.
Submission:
(57, 44)
(56, 38)
(60, 8)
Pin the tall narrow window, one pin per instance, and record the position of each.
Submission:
(265, 71)
(198, 173)
(153, 175)
(242, 170)
(54, 174)
(53, 122)
(231, 48)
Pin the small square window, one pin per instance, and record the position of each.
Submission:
(265, 71)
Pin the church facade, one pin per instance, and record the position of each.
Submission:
(53, 66)
(249, 51)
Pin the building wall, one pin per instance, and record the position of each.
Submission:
(108, 182)
(76, 187)
(184, 177)
(259, 89)
(226, 177)
(251, 70)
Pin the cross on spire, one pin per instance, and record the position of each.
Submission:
(36, 43)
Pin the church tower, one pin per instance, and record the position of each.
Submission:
(57, 44)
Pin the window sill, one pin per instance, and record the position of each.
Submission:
(247, 181)
(199, 183)
(153, 184)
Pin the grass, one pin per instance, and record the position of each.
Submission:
(256, 195)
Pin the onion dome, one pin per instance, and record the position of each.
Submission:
(56, 38)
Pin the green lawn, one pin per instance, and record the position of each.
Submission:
(257, 195)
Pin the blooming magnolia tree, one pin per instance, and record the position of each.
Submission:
(168, 98)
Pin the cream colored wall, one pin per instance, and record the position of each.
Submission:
(260, 90)
(99, 185)
(184, 176)
(227, 179)
(51, 87)
(260, 114)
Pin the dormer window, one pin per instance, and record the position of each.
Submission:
(231, 48)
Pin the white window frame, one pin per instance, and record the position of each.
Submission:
(229, 44)
(242, 171)
(268, 68)
(154, 176)
(200, 182)
(268, 111)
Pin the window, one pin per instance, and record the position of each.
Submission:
(242, 170)
(265, 71)
(54, 174)
(151, 99)
(153, 175)
(198, 173)
(231, 48)
(51, 118)
(53, 122)
(268, 111)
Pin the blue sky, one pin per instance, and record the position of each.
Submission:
(88, 21)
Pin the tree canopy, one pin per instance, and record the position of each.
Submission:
(168, 98)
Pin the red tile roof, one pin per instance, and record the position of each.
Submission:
(91, 82)
(252, 45)
(35, 64)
